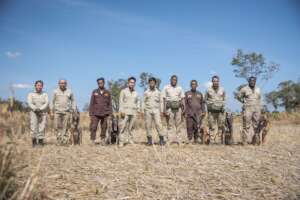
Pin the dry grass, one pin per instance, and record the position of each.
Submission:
(271, 171)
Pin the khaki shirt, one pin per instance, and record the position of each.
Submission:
(215, 98)
(63, 101)
(171, 93)
(38, 101)
(129, 102)
(250, 97)
(152, 101)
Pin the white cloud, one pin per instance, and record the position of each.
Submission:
(12, 55)
(21, 86)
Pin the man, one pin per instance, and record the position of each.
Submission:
(129, 108)
(215, 102)
(62, 105)
(100, 110)
(194, 112)
(152, 111)
(173, 106)
(250, 97)
(38, 104)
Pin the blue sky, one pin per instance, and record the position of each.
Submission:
(83, 40)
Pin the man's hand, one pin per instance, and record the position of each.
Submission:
(122, 115)
(51, 115)
(37, 110)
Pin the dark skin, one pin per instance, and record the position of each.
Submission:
(38, 89)
(101, 84)
(62, 84)
(152, 86)
(173, 82)
(252, 83)
(131, 85)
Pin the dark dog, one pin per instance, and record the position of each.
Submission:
(75, 130)
(113, 131)
(263, 128)
(228, 132)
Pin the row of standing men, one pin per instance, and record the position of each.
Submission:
(172, 103)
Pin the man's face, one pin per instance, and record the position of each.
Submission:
(173, 81)
(62, 84)
(252, 82)
(101, 84)
(152, 84)
(215, 82)
(194, 86)
(131, 84)
(39, 87)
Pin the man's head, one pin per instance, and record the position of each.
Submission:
(101, 82)
(39, 86)
(152, 83)
(215, 81)
(131, 82)
(62, 84)
(252, 81)
(173, 80)
(194, 85)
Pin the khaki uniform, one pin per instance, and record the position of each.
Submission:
(62, 105)
(215, 102)
(174, 116)
(129, 105)
(251, 99)
(38, 104)
(152, 109)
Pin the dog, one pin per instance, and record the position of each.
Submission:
(228, 132)
(263, 129)
(113, 131)
(75, 130)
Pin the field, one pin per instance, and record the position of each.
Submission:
(270, 171)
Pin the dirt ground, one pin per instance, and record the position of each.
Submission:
(270, 171)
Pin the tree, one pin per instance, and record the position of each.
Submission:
(115, 88)
(252, 64)
(287, 95)
(144, 78)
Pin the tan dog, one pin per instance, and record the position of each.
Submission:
(75, 130)
(264, 127)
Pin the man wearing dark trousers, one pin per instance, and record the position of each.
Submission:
(194, 112)
(100, 110)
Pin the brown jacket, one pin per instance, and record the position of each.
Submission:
(194, 104)
(101, 103)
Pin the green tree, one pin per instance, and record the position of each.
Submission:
(144, 77)
(287, 95)
(252, 64)
(115, 88)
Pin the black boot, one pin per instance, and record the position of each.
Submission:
(149, 140)
(41, 142)
(161, 141)
(34, 142)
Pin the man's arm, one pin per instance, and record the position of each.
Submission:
(30, 103)
(73, 102)
(45, 105)
(121, 106)
(91, 106)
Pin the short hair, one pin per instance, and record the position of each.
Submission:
(131, 78)
(174, 76)
(100, 79)
(152, 79)
(251, 77)
(194, 81)
(39, 81)
(215, 77)
(62, 79)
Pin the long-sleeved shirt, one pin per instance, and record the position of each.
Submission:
(215, 98)
(63, 101)
(152, 101)
(101, 103)
(129, 102)
(171, 93)
(194, 103)
(250, 97)
(39, 101)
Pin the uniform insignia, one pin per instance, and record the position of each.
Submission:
(106, 94)
(189, 96)
(96, 93)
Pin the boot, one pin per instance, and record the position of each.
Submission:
(34, 143)
(41, 142)
(149, 140)
(161, 141)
